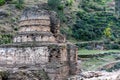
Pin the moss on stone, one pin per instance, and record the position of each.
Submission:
(3, 75)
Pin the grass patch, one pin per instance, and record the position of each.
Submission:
(88, 52)
(92, 64)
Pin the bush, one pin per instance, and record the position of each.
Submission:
(112, 46)
(69, 2)
(83, 45)
(5, 38)
(93, 26)
(107, 32)
(61, 7)
(80, 46)
(58, 6)
(20, 4)
(2, 2)
(117, 41)
(54, 4)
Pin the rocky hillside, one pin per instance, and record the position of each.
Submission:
(10, 13)
(80, 20)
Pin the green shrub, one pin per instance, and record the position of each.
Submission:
(93, 26)
(20, 4)
(5, 38)
(58, 6)
(69, 2)
(114, 68)
(61, 7)
(107, 32)
(82, 45)
(112, 46)
(67, 32)
(54, 4)
(2, 2)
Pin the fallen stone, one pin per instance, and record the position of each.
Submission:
(3, 14)
(96, 75)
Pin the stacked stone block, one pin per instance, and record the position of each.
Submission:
(34, 27)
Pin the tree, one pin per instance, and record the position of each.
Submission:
(20, 4)
(2, 2)
(117, 7)
(107, 32)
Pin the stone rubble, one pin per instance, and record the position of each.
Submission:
(97, 75)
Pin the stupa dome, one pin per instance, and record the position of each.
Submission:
(34, 26)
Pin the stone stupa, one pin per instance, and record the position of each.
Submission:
(39, 43)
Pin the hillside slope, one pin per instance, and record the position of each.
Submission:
(80, 20)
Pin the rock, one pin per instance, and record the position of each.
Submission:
(3, 13)
(23, 74)
(118, 77)
(97, 75)
(91, 74)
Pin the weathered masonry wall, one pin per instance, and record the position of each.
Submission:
(34, 28)
(28, 55)
(44, 22)
(55, 59)
(39, 43)
(28, 37)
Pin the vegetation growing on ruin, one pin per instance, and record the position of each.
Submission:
(5, 38)
(2, 2)
(20, 4)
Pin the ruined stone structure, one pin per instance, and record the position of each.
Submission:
(39, 43)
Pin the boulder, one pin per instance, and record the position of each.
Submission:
(3, 14)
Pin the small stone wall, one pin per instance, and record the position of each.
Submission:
(45, 22)
(34, 38)
(35, 28)
(72, 58)
(55, 59)
(32, 13)
(27, 55)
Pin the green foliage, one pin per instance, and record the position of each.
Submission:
(82, 45)
(114, 68)
(20, 4)
(5, 38)
(67, 32)
(93, 20)
(107, 32)
(117, 7)
(2, 2)
(54, 4)
(102, 2)
(69, 2)
(58, 6)
(89, 6)
(112, 46)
